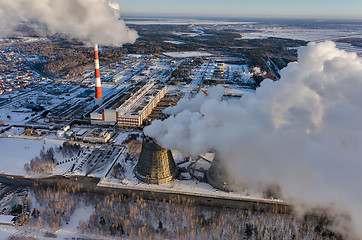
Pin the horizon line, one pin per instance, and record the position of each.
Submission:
(161, 15)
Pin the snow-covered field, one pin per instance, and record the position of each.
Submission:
(312, 34)
(7, 231)
(17, 152)
(81, 213)
(188, 34)
(298, 33)
(187, 54)
(92, 160)
(349, 48)
(175, 42)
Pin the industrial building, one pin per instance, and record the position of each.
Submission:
(169, 100)
(66, 111)
(97, 136)
(64, 131)
(132, 107)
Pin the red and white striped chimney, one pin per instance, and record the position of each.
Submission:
(98, 98)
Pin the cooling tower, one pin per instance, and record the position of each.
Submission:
(98, 93)
(218, 176)
(156, 164)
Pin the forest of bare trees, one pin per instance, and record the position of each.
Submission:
(132, 217)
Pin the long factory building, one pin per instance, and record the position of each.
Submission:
(132, 107)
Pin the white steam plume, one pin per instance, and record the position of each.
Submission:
(303, 132)
(91, 21)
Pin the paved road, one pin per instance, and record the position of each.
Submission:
(90, 184)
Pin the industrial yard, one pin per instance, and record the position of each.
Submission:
(129, 96)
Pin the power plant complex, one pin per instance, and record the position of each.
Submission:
(130, 108)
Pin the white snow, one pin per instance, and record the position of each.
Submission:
(69, 230)
(187, 34)
(7, 231)
(120, 138)
(6, 219)
(306, 34)
(16, 152)
(187, 54)
(175, 42)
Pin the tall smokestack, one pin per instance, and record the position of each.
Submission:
(98, 99)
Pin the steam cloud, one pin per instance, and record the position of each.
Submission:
(91, 21)
(303, 132)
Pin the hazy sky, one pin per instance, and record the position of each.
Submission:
(241, 8)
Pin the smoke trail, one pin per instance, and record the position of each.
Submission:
(303, 132)
(91, 21)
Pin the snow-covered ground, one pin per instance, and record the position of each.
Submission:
(81, 213)
(118, 140)
(66, 231)
(312, 34)
(307, 34)
(7, 231)
(187, 54)
(175, 42)
(187, 34)
(17, 152)
(92, 160)
(349, 48)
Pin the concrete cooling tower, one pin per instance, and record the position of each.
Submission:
(156, 164)
(218, 176)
